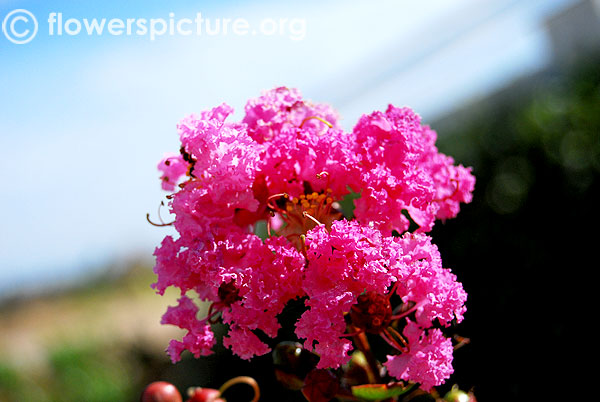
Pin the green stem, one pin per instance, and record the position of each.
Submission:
(362, 343)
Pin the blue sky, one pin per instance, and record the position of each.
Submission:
(84, 119)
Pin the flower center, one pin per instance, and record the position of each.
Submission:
(317, 205)
(301, 214)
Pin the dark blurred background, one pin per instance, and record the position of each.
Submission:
(522, 249)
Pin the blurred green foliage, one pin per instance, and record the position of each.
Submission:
(553, 120)
(74, 373)
(523, 247)
(89, 374)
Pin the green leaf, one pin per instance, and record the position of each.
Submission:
(375, 392)
(347, 204)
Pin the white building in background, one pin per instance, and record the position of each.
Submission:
(575, 32)
(574, 37)
(473, 54)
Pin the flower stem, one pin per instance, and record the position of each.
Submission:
(242, 380)
(362, 343)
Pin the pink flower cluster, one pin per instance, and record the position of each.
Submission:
(288, 165)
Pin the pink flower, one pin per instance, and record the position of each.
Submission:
(199, 339)
(296, 159)
(428, 361)
(288, 164)
(282, 108)
(173, 167)
(275, 280)
(351, 259)
(403, 171)
(433, 289)
(342, 264)
(390, 145)
(453, 184)
(249, 281)
(171, 267)
(224, 158)
(198, 215)
(245, 343)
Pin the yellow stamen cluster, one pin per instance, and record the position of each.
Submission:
(303, 213)
(314, 204)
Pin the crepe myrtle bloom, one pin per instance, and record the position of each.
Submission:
(288, 165)
(352, 273)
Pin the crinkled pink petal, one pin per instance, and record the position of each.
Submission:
(171, 268)
(423, 281)
(417, 177)
(283, 108)
(224, 157)
(275, 279)
(429, 360)
(323, 325)
(343, 262)
(298, 158)
(173, 167)
(245, 343)
(199, 339)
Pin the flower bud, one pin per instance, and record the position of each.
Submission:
(204, 395)
(161, 391)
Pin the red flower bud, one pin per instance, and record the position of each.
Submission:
(161, 391)
(204, 395)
